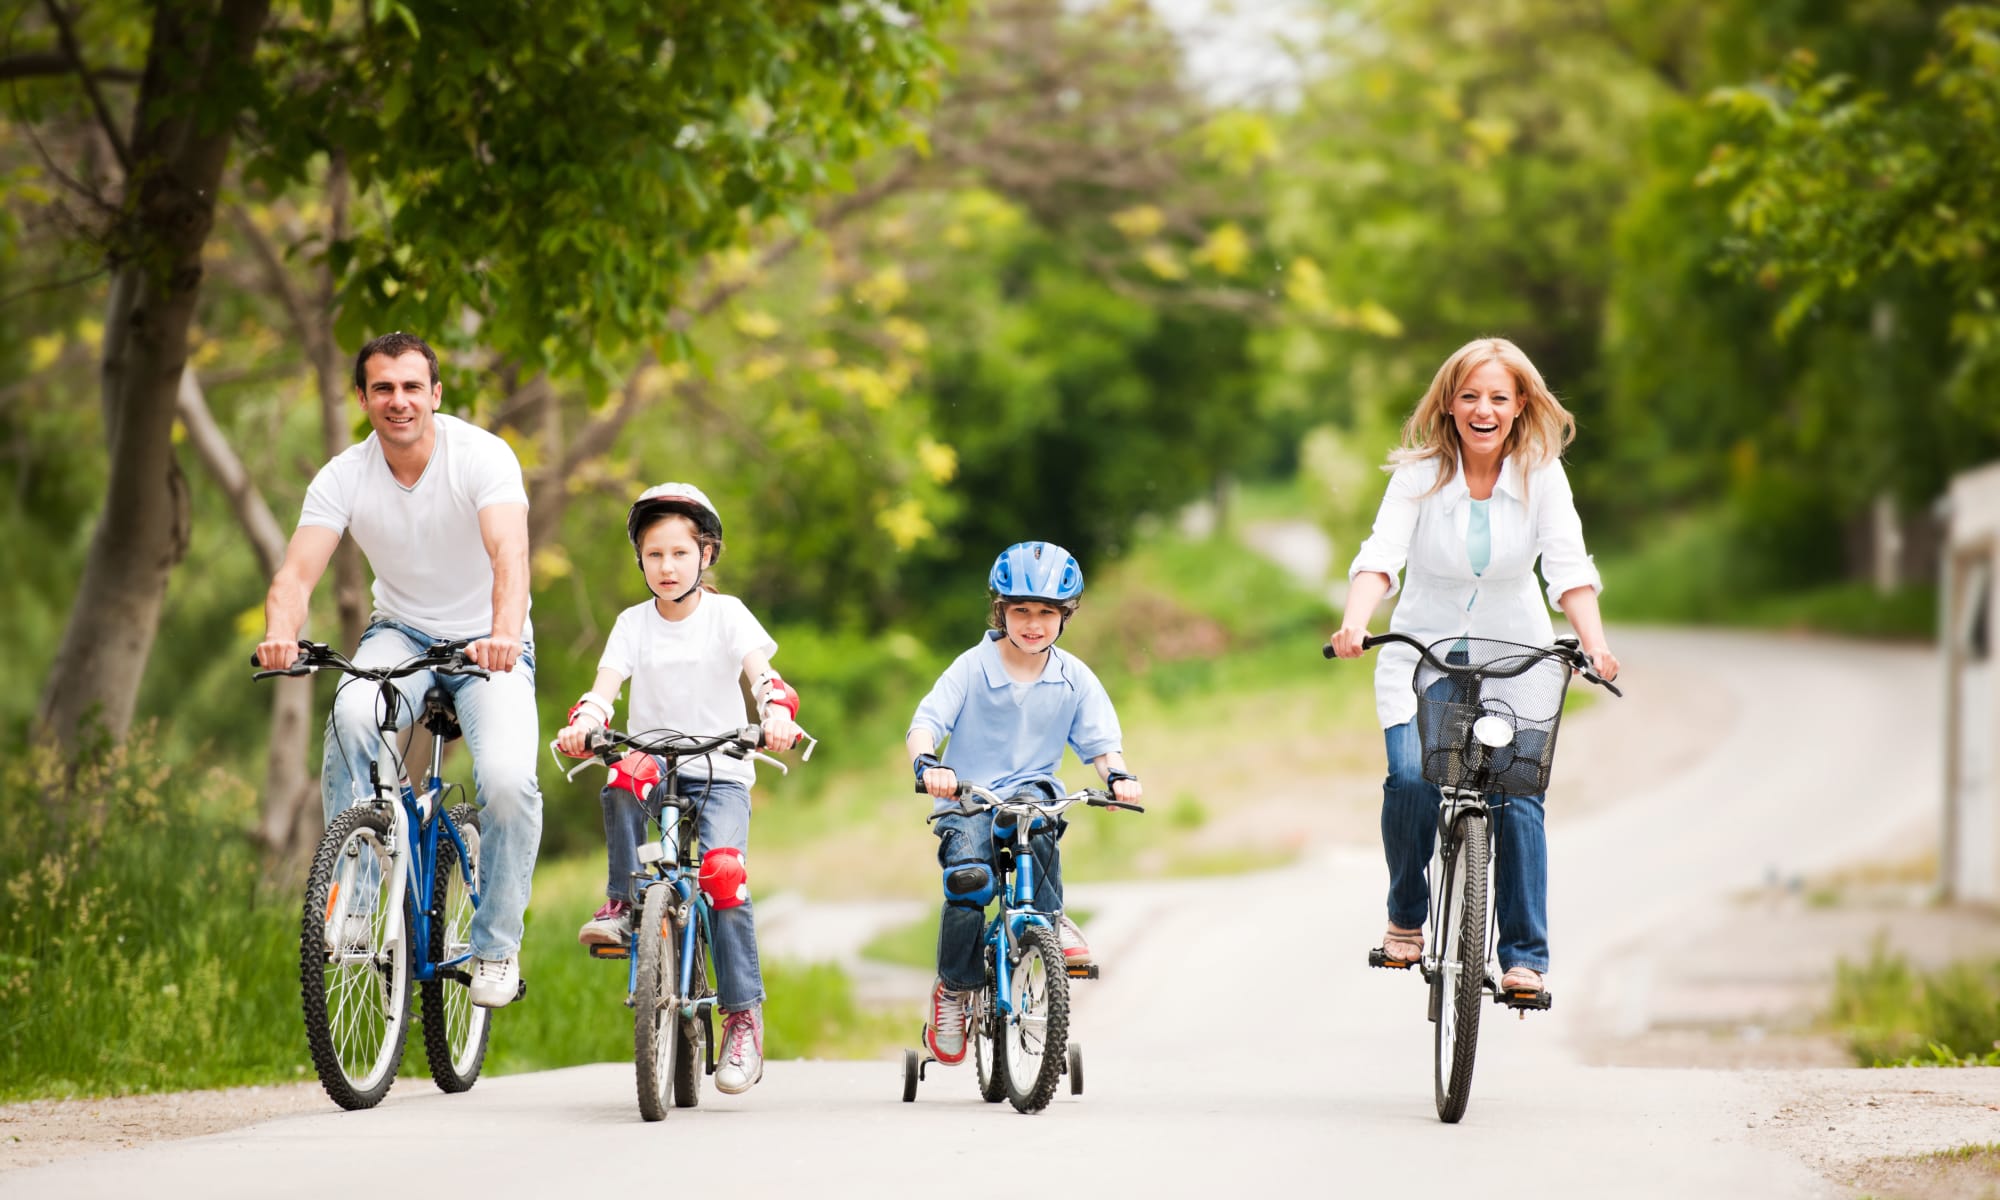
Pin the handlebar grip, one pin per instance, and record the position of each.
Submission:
(1326, 651)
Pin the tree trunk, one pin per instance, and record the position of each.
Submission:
(179, 148)
(289, 789)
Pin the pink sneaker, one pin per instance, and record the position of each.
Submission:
(945, 1035)
(608, 926)
(742, 1051)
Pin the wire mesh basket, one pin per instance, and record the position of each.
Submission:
(1521, 685)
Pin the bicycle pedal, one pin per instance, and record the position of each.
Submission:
(609, 951)
(1378, 959)
(1524, 1001)
(1085, 971)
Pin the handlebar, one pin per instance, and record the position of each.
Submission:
(607, 746)
(443, 658)
(974, 799)
(1567, 649)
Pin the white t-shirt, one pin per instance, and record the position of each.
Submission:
(685, 674)
(423, 542)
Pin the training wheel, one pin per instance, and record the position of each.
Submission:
(909, 1076)
(1075, 1069)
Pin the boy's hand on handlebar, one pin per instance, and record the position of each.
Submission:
(1346, 641)
(1127, 790)
(495, 653)
(779, 732)
(941, 782)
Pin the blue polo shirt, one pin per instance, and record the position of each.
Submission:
(1001, 734)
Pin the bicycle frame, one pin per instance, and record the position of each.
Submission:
(1017, 913)
(691, 908)
(419, 820)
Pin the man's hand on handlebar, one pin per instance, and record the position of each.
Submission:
(495, 653)
(1346, 642)
(277, 654)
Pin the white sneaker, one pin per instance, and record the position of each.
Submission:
(945, 1034)
(1076, 951)
(496, 981)
(742, 1051)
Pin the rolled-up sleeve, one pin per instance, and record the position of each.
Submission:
(1559, 536)
(1388, 546)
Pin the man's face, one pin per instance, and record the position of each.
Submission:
(399, 398)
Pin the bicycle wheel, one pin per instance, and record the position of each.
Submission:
(455, 1029)
(987, 1041)
(692, 1062)
(1035, 1033)
(655, 1008)
(1459, 982)
(354, 967)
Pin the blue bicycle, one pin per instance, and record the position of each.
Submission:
(389, 900)
(1019, 1023)
(667, 982)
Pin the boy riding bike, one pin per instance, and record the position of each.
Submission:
(683, 650)
(1003, 711)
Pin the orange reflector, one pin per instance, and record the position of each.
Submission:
(332, 899)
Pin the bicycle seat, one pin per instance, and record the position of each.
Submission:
(439, 715)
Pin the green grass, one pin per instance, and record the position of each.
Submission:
(1695, 570)
(1892, 1015)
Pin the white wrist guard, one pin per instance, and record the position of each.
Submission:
(596, 705)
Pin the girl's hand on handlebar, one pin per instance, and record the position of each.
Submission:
(941, 782)
(1346, 642)
(574, 740)
(780, 733)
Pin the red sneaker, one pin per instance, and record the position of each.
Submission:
(945, 1035)
(1076, 951)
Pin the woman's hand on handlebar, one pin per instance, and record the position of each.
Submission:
(1604, 662)
(1346, 641)
(941, 782)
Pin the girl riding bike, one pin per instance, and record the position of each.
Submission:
(684, 650)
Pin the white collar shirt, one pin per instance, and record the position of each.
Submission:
(1419, 542)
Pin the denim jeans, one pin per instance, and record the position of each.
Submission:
(1520, 877)
(961, 930)
(500, 724)
(723, 806)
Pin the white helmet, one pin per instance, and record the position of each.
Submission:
(683, 498)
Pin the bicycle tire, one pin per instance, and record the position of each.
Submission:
(456, 1030)
(1461, 974)
(1037, 1031)
(655, 1008)
(355, 997)
(987, 1048)
(691, 1057)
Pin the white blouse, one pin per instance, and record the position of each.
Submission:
(1530, 518)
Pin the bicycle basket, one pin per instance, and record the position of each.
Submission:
(1522, 685)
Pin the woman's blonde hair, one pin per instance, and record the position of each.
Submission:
(1542, 427)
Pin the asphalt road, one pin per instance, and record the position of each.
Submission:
(1238, 1043)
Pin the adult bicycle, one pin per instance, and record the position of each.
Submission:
(389, 901)
(1019, 1023)
(667, 981)
(1487, 713)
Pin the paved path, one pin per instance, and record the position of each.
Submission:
(1236, 1043)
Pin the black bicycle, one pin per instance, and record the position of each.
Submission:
(1487, 713)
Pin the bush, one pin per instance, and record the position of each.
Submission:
(1892, 1015)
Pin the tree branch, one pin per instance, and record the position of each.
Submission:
(66, 34)
(33, 66)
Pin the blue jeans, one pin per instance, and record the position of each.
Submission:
(723, 806)
(962, 929)
(1520, 877)
(501, 730)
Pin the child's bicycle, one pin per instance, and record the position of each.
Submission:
(389, 899)
(1487, 713)
(667, 983)
(1019, 1023)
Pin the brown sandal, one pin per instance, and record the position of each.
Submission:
(1522, 979)
(1403, 945)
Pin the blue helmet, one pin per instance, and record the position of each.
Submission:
(1037, 571)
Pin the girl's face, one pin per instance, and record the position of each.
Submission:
(670, 556)
(1484, 410)
(1032, 625)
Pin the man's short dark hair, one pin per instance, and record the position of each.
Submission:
(394, 345)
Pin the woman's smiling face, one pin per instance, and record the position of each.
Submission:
(1484, 408)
